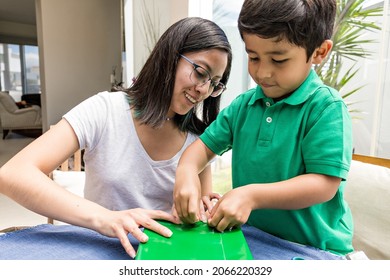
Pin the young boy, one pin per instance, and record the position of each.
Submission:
(290, 136)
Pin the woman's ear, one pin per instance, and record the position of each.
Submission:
(322, 51)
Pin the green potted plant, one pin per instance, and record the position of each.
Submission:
(352, 21)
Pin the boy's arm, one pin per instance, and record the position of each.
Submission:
(234, 208)
(187, 191)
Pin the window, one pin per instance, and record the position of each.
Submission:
(19, 70)
(225, 14)
(371, 129)
(32, 78)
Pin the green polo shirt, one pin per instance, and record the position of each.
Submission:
(307, 132)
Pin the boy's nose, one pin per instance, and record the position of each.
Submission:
(263, 73)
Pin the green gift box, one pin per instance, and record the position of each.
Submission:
(194, 242)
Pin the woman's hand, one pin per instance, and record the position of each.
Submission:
(207, 204)
(120, 223)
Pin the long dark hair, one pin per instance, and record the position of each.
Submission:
(151, 93)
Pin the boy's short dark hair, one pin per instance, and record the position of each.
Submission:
(305, 23)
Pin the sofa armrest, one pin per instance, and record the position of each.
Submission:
(368, 195)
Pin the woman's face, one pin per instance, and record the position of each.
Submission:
(185, 93)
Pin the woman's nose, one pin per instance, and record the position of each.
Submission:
(204, 89)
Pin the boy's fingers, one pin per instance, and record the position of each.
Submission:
(215, 216)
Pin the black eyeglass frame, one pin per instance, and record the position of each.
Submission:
(217, 88)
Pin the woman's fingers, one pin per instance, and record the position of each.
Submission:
(188, 210)
(162, 215)
(158, 228)
(176, 218)
(207, 202)
(143, 218)
(193, 210)
(202, 212)
(124, 240)
(210, 201)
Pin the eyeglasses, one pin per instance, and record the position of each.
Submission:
(200, 76)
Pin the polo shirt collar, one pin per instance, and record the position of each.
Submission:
(301, 94)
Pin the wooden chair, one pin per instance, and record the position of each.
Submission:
(73, 165)
(11, 229)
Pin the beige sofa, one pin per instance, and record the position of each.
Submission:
(368, 195)
(13, 118)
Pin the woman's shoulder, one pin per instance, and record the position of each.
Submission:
(191, 137)
(106, 100)
(112, 95)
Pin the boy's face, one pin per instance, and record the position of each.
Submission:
(278, 67)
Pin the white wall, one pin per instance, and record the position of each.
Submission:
(163, 13)
(79, 43)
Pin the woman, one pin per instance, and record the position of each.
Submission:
(132, 139)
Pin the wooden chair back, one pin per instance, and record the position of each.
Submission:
(373, 160)
(73, 163)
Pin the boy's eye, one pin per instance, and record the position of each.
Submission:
(279, 61)
(253, 58)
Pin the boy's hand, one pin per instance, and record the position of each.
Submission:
(232, 210)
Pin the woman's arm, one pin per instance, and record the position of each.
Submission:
(24, 179)
(34, 163)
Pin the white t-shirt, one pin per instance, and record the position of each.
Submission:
(119, 172)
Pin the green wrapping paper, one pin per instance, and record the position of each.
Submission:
(194, 242)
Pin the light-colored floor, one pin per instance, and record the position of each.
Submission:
(11, 213)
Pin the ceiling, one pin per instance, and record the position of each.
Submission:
(18, 11)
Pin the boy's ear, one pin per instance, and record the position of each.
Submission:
(322, 51)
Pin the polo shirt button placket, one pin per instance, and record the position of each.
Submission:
(268, 119)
